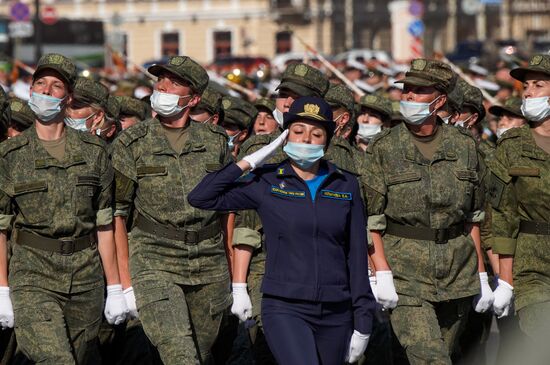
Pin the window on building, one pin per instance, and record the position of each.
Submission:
(222, 43)
(170, 44)
(283, 42)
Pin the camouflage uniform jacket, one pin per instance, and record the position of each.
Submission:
(55, 199)
(520, 191)
(155, 179)
(406, 188)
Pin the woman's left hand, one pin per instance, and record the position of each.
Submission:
(357, 346)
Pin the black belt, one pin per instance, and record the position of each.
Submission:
(65, 246)
(188, 236)
(426, 234)
(541, 228)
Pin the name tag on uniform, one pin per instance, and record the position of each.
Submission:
(338, 195)
(288, 193)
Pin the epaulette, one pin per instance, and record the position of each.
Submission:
(12, 144)
(91, 139)
(510, 133)
(134, 133)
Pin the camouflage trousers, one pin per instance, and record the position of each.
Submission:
(54, 328)
(181, 321)
(429, 331)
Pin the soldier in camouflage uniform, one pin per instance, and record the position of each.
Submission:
(132, 111)
(509, 115)
(209, 109)
(520, 192)
(21, 117)
(56, 185)
(375, 114)
(424, 197)
(177, 259)
(4, 115)
(238, 116)
(265, 122)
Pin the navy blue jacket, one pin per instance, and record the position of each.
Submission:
(316, 250)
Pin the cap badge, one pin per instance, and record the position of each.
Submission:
(536, 60)
(311, 109)
(419, 64)
(300, 70)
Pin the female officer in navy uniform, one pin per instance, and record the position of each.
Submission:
(317, 305)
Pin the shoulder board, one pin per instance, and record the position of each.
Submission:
(134, 133)
(89, 138)
(511, 133)
(12, 144)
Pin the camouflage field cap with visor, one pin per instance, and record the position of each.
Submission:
(21, 113)
(88, 91)
(112, 108)
(455, 99)
(304, 80)
(378, 103)
(430, 73)
(211, 101)
(311, 108)
(473, 98)
(238, 111)
(59, 63)
(339, 95)
(538, 63)
(512, 105)
(267, 104)
(186, 69)
(130, 106)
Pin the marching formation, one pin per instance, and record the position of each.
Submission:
(194, 225)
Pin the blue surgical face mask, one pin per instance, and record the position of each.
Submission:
(304, 154)
(416, 113)
(536, 109)
(45, 107)
(78, 123)
(230, 143)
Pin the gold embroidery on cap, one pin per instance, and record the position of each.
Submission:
(536, 60)
(311, 109)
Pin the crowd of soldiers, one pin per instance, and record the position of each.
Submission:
(104, 261)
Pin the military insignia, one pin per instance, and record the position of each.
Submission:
(419, 64)
(337, 195)
(371, 99)
(16, 106)
(282, 185)
(536, 60)
(176, 61)
(55, 59)
(300, 70)
(311, 109)
(281, 171)
(288, 193)
(226, 103)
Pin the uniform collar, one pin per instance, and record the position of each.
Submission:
(73, 154)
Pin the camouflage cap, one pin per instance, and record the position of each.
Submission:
(339, 95)
(538, 63)
(59, 63)
(21, 112)
(304, 80)
(88, 91)
(396, 111)
(512, 105)
(112, 107)
(186, 69)
(211, 101)
(455, 98)
(238, 111)
(472, 98)
(378, 103)
(425, 72)
(132, 107)
(265, 103)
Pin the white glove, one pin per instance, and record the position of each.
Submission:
(258, 158)
(6, 309)
(242, 307)
(116, 309)
(385, 289)
(131, 302)
(372, 280)
(484, 300)
(357, 346)
(503, 298)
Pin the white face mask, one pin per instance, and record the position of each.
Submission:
(446, 120)
(45, 107)
(230, 142)
(78, 123)
(416, 113)
(367, 131)
(536, 109)
(166, 104)
(500, 131)
(278, 115)
(462, 123)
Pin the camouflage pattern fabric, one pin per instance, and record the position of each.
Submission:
(59, 63)
(378, 103)
(304, 80)
(430, 73)
(512, 105)
(88, 91)
(339, 95)
(21, 112)
(132, 107)
(186, 69)
(238, 111)
(520, 190)
(473, 98)
(538, 63)
(210, 101)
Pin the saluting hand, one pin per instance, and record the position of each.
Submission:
(259, 157)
